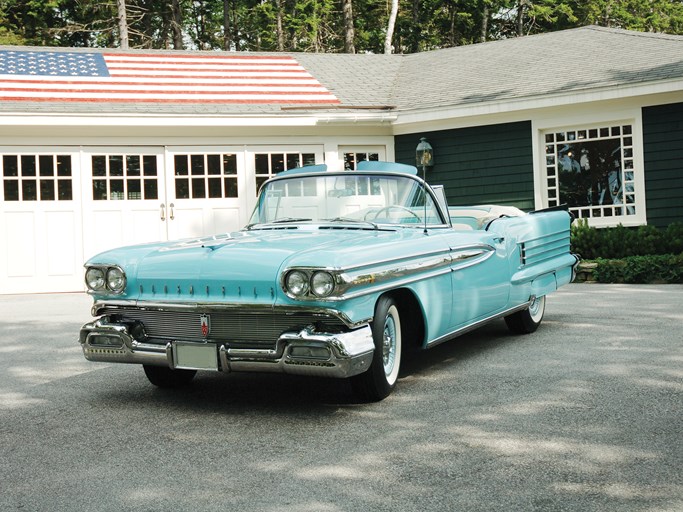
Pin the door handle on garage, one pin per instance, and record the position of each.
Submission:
(163, 211)
(172, 216)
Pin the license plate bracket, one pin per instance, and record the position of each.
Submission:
(195, 356)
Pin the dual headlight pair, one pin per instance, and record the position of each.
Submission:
(301, 284)
(107, 279)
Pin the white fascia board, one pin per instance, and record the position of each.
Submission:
(112, 120)
(508, 107)
(152, 121)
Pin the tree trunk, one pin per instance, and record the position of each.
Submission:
(227, 34)
(520, 17)
(452, 18)
(278, 27)
(484, 23)
(349, 31)
(390, 26)
(123, 24)
(177, 24)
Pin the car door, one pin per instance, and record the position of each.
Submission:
(480, 279)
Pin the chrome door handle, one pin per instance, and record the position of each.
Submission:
(172, 216)
(163, 211)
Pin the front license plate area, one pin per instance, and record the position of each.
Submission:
(195, 356)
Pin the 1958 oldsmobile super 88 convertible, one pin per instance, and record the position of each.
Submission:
(338, 274)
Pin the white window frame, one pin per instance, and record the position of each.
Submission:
(584, 122)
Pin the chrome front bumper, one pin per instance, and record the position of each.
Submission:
(303, 352)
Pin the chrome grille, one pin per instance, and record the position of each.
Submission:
(260, 328)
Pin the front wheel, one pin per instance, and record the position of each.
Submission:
(527, 320)
(167, 377)
(378, 381)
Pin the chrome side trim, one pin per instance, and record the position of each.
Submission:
(476, 325)
(394, 273)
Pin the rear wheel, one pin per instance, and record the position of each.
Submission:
(527, 320)
(380, 379)
(167, 377)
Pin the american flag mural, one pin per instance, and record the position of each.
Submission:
(145, 77)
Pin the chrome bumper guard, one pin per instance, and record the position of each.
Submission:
(303, 352)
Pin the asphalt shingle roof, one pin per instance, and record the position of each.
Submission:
(556, 62)
(583, 59)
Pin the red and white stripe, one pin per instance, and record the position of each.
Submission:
(178, 79)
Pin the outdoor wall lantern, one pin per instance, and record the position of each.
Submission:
(424, 154)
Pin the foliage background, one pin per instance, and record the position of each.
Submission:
(316, 25)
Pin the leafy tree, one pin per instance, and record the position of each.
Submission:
(316, 25)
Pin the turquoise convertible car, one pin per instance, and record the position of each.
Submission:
(339, 274)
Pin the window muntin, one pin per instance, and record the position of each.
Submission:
(351, 158)
(131, 177)
(202, 176)
(267, 165)
(31, 177)
(592, 170)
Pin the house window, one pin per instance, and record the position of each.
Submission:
(592, 171)
(203, 176)
(351, 158)
(124, 177)
(268, 165)
(37, 178)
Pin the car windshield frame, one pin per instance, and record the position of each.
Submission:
(374, 199)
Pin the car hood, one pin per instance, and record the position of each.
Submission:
(246, 265)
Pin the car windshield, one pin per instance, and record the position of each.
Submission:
(346, 197)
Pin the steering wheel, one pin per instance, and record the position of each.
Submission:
(396, 207)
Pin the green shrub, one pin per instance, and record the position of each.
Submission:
(666, 268)
(622, 242)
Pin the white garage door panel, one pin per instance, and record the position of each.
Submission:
(21, 251)
(61, 243)
(187, 223)
(226, 220)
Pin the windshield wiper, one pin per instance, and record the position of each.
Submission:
(355, 221)
(289, 219)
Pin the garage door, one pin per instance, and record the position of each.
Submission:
(60, 206)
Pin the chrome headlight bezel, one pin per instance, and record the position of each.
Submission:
(95, 278)
(116, 280)
(297, 283)
(310, 283)
(322, 284)
(105, 279)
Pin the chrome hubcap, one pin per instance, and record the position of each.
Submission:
(389, 345)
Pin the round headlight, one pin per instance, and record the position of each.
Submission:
(116, 280)
(297, 283)
(322, 284)
(94, 278)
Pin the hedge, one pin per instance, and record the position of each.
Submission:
(644, 254)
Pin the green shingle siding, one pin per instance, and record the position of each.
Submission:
(479, 165)
(663, 152)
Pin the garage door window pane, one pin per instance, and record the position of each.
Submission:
(20, 177)
(10, 165)
(47, 190)
(29, 190)
(46, 164)
(121, 177)
(214, 176)
(11, 189)
(64, 190)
